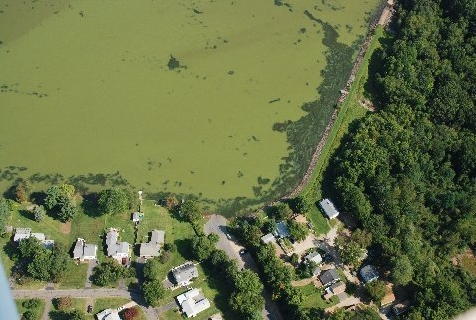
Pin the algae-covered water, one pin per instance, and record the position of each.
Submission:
(87, 95)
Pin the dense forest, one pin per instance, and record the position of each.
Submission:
(408, 171)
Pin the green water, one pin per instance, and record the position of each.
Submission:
(85, 90)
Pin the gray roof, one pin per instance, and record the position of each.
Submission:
(114, 247)
(282, 230)
(314, 256)
(78, 249)
(21, 233)
(157, 237)
(369, 273)
(329, 276)
(149, 250)
(81, 249)
(90, 250)
(268, 238)
(185, 272)
(135, 216)
(329, 208)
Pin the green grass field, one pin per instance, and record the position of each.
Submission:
(119, 113)
(313, 298)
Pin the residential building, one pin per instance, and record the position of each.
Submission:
(25, 233)
(282, 230)
(329, 208)
(267, 238)
(83, 251)
(329, 277)
(152, 248)
(184, 273)
(401, 307)
(334, 289)
(193, 302)
(108, 314)
(313, 257)
(115, 249)
(369, 273)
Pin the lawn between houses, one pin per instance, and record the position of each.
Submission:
(91, 226)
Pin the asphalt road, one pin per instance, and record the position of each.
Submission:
(217, 224)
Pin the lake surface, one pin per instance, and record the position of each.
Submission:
(87, 95)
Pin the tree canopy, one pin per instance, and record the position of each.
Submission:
(113, 201)
(408, 171)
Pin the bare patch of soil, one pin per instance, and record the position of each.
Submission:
(65, 228)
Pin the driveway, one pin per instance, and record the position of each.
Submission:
(217, 224)
(91, 265)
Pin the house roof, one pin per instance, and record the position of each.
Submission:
(338, 287)
(401, 307)
(90, 250)
(282, 230)
(329, 276)
(39, 236)
(185, 272)
(314, 257)
(157, 237)
(329, 208)
(21, 233)
(108, 314)
(268, 238)
(369, 273)
(135, 216)
(316, 271)
(78, 249)
(193, 302)
(149, 249)
(114, 247)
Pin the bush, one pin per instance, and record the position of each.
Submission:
(63, 303)
(130, 313)
(31, 304)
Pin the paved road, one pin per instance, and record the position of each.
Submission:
(217, 224)
(48, 295)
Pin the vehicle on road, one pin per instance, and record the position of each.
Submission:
(228, 236)
(243, 251)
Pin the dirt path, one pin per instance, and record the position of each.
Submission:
(46, 312)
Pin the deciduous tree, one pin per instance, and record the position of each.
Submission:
(153, 291)
(191, 211)
(112, 201)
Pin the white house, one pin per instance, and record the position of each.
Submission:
(83, 251)
(108, 314)
(313, 257)
(184, 273)
(329, 208)
(193, 302)
(152, 248)
(25, 233)
(115, 249)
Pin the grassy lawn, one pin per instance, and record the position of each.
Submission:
(108, 303)
(39, 310)
(313, 298)
(75, 277)
(469, 263)
(320, 223)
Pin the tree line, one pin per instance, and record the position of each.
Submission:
(408, 171)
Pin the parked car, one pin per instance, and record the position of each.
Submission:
(228, 236)
(243, 251)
